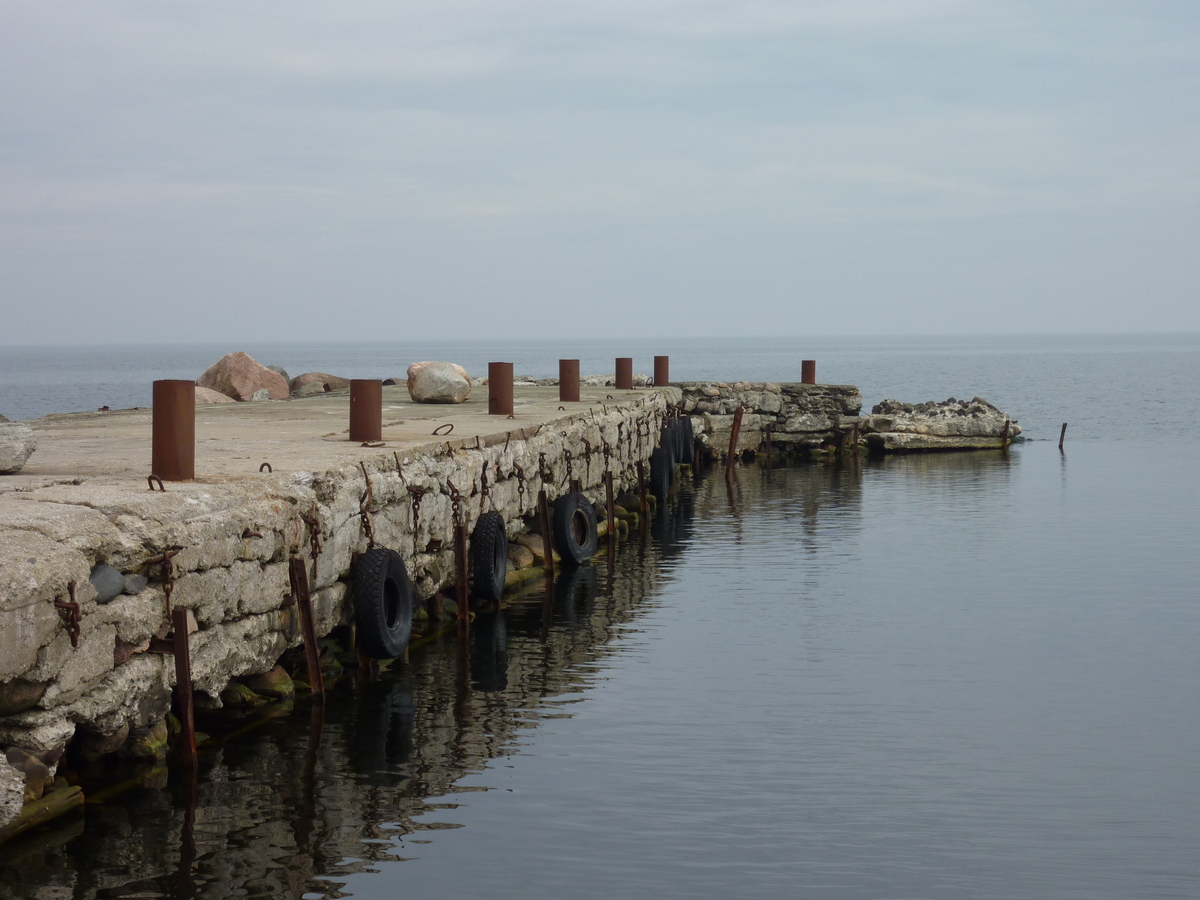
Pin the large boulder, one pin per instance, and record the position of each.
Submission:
(207, 395)
(238, 376)
(438, 382)
(950, 425)
(17, 444)
(315, 383)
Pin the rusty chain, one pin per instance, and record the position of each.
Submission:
(520, 489)
(168, 573)
(364, 509)
(484, 490)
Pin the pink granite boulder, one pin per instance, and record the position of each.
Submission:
(315, 383)
(207, 395)
(238, 376)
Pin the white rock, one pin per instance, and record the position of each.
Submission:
(17, 444)
(438, 382)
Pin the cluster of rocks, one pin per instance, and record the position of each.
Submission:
(584, 381)
(975, 424)
(809, 417)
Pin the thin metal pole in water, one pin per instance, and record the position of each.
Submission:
(183, 686)
(1062, 435)
(733, 440)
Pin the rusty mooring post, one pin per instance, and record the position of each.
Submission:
(547, 536)
(733, 440)
(1062, 435)
(173, 431)
(662, 371)
(643, 502)
(461, 594)
(808, 371)
(183, 685)
(500, 388)
(568, 380)
(624, 373)
(366, 410)
(608, 508)
(312, 653)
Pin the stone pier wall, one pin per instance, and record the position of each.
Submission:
(234, 539)
(801, 416)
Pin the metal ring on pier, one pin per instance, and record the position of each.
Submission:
(265, 467)
(151, 479)
(449, 426)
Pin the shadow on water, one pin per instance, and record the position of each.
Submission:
(324, 791)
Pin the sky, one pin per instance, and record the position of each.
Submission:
(304, 171)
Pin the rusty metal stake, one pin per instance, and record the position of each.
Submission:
(183, 686)
(173, 431)
(568, 380)
(608, 507)
(662, 371)
(1062, 435)
(624, 373)
(312, 653)
(1004, 435)
(733, 440)
(460, 553)
(808, 371)
(547, 536)
(500, 389)
(644, 505)
(770, 432)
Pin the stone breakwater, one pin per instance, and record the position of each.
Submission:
(234, 537)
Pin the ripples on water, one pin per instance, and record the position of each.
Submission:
(936, 676)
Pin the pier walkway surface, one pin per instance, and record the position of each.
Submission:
(310, 433)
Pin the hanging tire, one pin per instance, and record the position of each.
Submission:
(382, 603)
(489, 556)
(688, 455)
(662, 467)
(575, 535)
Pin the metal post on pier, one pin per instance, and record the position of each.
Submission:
(662, 371)
(173, 431)
(366, 410)
(500, 388)
(624, 373)
(808, 371)
(568, 380)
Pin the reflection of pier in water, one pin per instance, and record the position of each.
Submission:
(300, 798)
(294, 803)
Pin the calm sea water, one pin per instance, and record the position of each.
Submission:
(942, 676)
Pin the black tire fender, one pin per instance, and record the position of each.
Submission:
(688, 456)
(489, 556)
(382, 603)
(575, 534)
(662, 467)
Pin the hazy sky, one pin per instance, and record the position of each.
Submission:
(218, 170)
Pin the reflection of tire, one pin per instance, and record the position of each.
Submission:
(575, 593)
(662, 466)
(575, 535)
(383, 733)
(382, 603)
(489, 556)
(688, 456)
(490, 663)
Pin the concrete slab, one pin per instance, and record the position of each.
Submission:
(306, 434)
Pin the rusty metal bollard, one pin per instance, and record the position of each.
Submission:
(500, 388)
(173, 431)
(662, 371)
(568, 380)
(366, 410)
(808, 371)
(625, 373)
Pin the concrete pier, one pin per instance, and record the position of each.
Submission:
(274, 480)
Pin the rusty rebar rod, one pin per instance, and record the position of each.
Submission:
(734, 433)
(181, 649)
